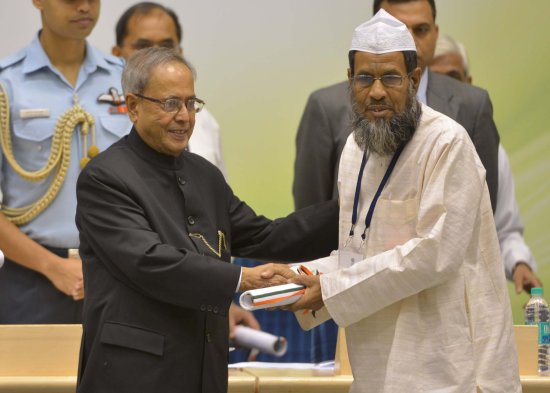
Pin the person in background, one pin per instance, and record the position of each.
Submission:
(60, 104)
(148, 24)
(417, 280)
(326, 124)
(158, 226)
(451, 59)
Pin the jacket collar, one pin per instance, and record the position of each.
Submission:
(422, 92)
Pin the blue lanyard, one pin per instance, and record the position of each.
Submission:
(385, 179)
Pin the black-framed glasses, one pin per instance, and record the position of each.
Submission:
(365, 81)
(174, 104)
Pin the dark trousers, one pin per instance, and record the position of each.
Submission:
(28, 297)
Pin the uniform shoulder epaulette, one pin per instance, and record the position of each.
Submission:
(12, 59)
(114, 60)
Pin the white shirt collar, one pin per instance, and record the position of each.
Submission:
(422, 93)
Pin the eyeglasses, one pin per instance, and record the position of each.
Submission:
(366, 81)
(174, 105)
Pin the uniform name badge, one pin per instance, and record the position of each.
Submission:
(34, 113)
(348, 256)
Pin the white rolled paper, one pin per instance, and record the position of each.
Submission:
(264, 342)
(1, 258)
(276, 296)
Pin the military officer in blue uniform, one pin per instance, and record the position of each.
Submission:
(61, 103)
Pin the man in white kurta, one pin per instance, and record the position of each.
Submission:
(427, 310)
(425, 306)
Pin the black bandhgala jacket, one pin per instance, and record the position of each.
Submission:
(157, 293)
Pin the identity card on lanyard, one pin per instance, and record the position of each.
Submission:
(348, 255)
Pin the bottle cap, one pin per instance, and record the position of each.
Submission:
(537, 291)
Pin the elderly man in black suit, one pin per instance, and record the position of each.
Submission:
(158, 226)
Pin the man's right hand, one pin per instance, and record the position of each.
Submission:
(265, 276)
(524, 278)
(66, 275)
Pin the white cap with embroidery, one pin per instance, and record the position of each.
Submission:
(382, 34)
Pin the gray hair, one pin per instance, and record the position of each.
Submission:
(138, 69)
(447, 45)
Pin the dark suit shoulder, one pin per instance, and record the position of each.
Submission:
(442, 85)
(468, 105)
(113, 157)
(337, 93)
(198, 163)
(335, 103)
(198, 160)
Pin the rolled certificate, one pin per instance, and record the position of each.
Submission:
(264, 342)
(276, 296)
(1, 258)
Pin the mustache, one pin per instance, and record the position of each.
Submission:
(383, 136)
(379, 106)
(375, 102)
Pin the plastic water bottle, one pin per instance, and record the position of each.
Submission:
(537, 313)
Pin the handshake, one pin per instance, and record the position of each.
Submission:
(296, 288)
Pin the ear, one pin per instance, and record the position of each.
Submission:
(37, 4)
(132, 106)
(415, 77)
(116, 51)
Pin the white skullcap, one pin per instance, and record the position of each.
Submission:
(382, 34)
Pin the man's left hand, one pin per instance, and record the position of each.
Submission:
(524, 278)
(239, 316)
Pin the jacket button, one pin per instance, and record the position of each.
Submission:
(215, 310)
(191, 220)
(203, 307)
(208, 337)
(181, 181)
(209, 308)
